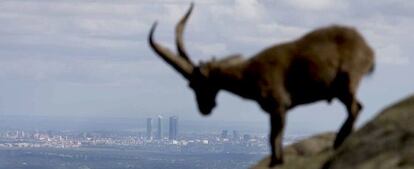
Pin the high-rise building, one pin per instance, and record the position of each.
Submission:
(236, 135)
(246, 137)
(173, 128)
(224, 134)
(159, 127)
(149, 128)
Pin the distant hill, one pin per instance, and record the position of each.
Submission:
(386, 142)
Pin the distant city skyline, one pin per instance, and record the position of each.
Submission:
(106, 149)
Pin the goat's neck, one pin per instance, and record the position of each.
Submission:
(230, 78)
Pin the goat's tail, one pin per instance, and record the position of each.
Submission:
(371, 70)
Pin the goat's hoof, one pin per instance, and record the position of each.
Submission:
(275, 162)
(337, 144)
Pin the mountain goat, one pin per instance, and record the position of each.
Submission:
(324, 64)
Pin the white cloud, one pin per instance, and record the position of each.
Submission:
(316, 4)
(248, 9)
(239, 10)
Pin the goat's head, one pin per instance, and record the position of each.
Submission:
(198, 75)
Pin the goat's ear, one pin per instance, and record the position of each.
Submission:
(233, 57)
(201, 71)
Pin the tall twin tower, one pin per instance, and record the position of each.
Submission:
(173, 125)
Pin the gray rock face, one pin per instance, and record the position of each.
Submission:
(386, 142)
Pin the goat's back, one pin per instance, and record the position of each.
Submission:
(310, 65)
(336, 45)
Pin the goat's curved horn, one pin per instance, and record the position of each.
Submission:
(184, 67)
(179, 29)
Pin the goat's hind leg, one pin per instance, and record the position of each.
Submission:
(353, 107)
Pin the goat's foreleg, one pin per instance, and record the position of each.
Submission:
(277, 123)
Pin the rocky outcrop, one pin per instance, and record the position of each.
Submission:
(386, 142)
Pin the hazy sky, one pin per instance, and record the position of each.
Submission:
(90, 58)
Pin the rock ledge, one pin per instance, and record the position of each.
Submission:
(386, 142)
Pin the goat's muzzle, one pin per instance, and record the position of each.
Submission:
(206, 109)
